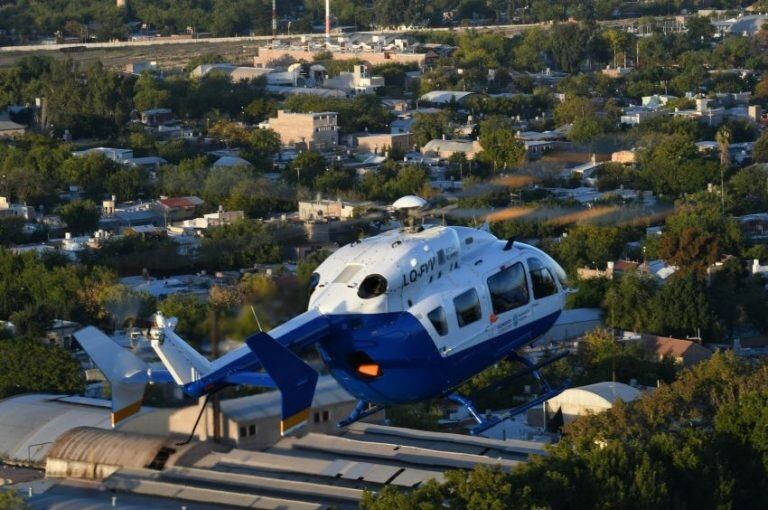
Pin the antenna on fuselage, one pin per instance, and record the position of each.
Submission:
(408, 210)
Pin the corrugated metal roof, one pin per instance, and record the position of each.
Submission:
(29, 424)
(444, 96)
(110, 447)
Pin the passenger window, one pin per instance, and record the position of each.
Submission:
(541, 279)
(508, 289)
(439, 320)
(467, 307)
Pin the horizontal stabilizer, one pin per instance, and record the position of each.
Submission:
(127, 374)
(294, 378)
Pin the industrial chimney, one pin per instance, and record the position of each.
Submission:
(327, 19)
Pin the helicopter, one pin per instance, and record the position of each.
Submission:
(399, 317)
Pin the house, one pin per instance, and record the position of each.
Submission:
(447, 148)
(684, 352)
(380, 143)
(18, 210)
(136, 68)
(178, 208)
(115, 154)
(212, 220)
(636, 115)
(754, 226)
(311, 131)
(156, 116)
(323, 209)
(231, 162)
(10, 129)
(624, 157)
(357, 81)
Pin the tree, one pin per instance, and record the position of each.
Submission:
(748, 189)
(672, 165)
(696, 443)
(760, 150)
(567, 43)
(81, 216)
(589, 245)
(11, 500)
(627, 303)
(192, 314)
(429, 126)
(500, 144)
(90, 172)
(149, 93)
(27, 365)
(723, 138)
(307, 166)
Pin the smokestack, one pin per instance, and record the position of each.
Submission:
(274, 18)
(327, 19)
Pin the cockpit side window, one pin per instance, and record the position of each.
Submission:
(467, 306)
(439, 320)
(541, 279)
(508, 289)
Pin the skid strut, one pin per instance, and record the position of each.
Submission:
(485, 423)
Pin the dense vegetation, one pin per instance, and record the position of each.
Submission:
(696, 443)
(88, 20)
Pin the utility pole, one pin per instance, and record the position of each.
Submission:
(274, 18)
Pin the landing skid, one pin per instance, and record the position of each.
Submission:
(485, 423)
(362, 410)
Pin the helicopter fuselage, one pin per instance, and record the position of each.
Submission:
(411, 314)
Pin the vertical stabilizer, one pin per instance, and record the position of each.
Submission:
(126, 373)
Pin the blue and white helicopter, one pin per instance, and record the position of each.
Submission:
(400, 317)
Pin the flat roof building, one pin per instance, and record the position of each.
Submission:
(313, 131)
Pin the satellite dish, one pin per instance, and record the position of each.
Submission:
(409, 202)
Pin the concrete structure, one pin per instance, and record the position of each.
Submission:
(178, 208)
(269, 56)
(447, 148)
(325, 209)
(381, 143)
(306, 130)
(216, 219)
(590, 399)
(624, 157)
(357, 81)
(236, 73)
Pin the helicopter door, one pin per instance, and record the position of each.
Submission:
(546, 295)
(510, 298)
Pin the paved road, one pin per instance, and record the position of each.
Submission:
(161, 41)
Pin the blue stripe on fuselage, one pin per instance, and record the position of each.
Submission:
(412, 368)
